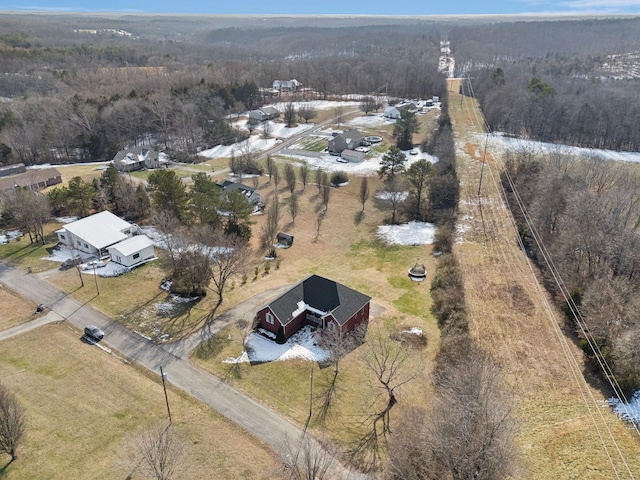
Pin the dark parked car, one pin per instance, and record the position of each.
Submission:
(93, 333)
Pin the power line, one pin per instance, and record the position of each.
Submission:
(569, 357)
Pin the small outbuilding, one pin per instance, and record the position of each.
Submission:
(284, 240)
(353, 156)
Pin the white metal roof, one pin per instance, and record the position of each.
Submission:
(132, 245)
(99, 230)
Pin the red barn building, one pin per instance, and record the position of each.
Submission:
(315, 301)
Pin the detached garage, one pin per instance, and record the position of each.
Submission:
(353, 156)
(132, 251)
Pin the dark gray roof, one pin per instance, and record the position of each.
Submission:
(321, 294)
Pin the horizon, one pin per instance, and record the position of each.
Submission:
(377, 8)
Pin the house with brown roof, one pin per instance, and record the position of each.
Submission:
(315, 301)
(34, 179)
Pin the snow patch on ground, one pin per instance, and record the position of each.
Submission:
(369, 166)
(255, 143)
(500, 142)
(414, 331)
(280, 130)
(629, 411)
(12, 235)
(412, 233)
(402, 196)
(373, 120)
(66, 219)
(301, 345)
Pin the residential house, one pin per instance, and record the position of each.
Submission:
(392, 112)
(315, 301)
(249, 192)
(33, 179)
(132, 251)
(263, 114)
(139, 158)
(348, 140)
(93, 235)
(286, 85)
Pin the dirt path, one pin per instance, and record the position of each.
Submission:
(566, 431)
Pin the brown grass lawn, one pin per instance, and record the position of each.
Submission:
(347, 251)
(85, 406)
(513, 319)
(15, 309)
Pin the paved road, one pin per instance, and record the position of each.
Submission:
(256, 419)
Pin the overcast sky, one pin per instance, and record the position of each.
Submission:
(347, 7)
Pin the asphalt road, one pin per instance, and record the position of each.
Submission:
(254, 418)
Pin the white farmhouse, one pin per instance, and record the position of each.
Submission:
(132, 251)
(96, 235)
(93, 234)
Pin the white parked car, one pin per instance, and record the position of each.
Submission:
(342, 160)
(363, 149)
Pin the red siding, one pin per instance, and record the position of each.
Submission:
(300, 321)
(262, 320)
(361, 316)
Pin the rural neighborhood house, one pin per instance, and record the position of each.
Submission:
(315, 301)
(93, 235)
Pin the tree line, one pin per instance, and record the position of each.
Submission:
(522, 100)
(585, 211)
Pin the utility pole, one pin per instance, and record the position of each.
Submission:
(96, 278)
(310, 401)
(164, 386)
(484, 157)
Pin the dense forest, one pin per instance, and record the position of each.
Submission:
(561, 82)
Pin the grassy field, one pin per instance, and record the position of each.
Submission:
(85, 406)
(15, 309)
(344, 248)
(560, 416)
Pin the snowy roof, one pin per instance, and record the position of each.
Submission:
(132, 245)
(99, 230)
(320, 295)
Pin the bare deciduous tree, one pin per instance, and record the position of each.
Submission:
(290, 177)
(276, 177)
(294, 207)
(227, 255)
(306, 111)
(289, 114)
(319, 220)
(368, 104)
(271, 166)
(304, 174)
(337, 344)
(318, 178)
(468, 433)
(390, 362)
(13, 422)
(364, 191)
(267, 129)
(161, 451)
(307, 459)
(271, 225)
